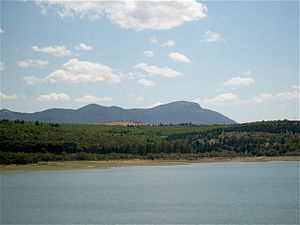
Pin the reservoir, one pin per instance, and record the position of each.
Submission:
(204, 193)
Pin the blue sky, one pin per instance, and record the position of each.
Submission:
(238, 58)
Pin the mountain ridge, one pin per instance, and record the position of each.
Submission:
(170, 113)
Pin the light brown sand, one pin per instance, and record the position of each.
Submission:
(70, 165)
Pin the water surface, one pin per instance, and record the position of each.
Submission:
(208, 193)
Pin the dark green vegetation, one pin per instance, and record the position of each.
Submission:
(30, 142)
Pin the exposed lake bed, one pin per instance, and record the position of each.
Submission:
(70, 165)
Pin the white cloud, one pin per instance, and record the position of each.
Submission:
(59, 51)
(263, 98)
(1, 66)
(246, 73)
(163, 71)
(138, 15)
(153, 40)
(177, 57)
(232, 99)
(76, 71)
(155, 105)
(239, 81)
(221, 99)
(92, 98)
(31, 80)
(32, 63)
(1, 30)
(83, 47)
(210, 36)
(54, 96)
(288, 95)
(7, 97)
(132, 76)
(61, 75)
(148, 53)
(145, 82)
(168, 43)
(295, 86)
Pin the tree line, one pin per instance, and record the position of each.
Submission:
(30, 142)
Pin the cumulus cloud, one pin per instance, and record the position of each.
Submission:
(7, 97)
(145, 82)
(263, 98)
(132, 76)
(76, 71)
(55, 97)
(210, 36)
(221, 99)
(83, 47)
(148, 53)
(137, 15)
(59, 51)
(288, 95)
(32, 63)
(168, 43)
(1, 30)
(239, 81)
(177, 57)
(295, 86)
(232, 99)
(1, 66)
(31, 80)
(92, 98)
(162, 71)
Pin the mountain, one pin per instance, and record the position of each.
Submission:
(171, 113)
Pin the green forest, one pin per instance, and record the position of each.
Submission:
(31, 142)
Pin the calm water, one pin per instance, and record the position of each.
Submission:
(222, 193)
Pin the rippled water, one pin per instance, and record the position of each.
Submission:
(210, 193)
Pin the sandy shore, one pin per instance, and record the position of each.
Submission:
(70, 165)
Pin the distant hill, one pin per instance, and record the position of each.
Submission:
(171, 113)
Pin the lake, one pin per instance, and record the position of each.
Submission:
(207, 193)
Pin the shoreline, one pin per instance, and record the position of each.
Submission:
(83, 165)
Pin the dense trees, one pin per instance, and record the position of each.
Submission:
(30, 142)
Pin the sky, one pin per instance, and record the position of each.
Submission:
(236, 57)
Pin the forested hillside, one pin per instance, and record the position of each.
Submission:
(31, 142)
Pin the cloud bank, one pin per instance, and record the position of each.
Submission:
(32, 63)
(59, 51)
(162, 71)
(54, 96)
(137, 15)
(76, 71)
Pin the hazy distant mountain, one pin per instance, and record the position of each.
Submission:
(171, 113)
